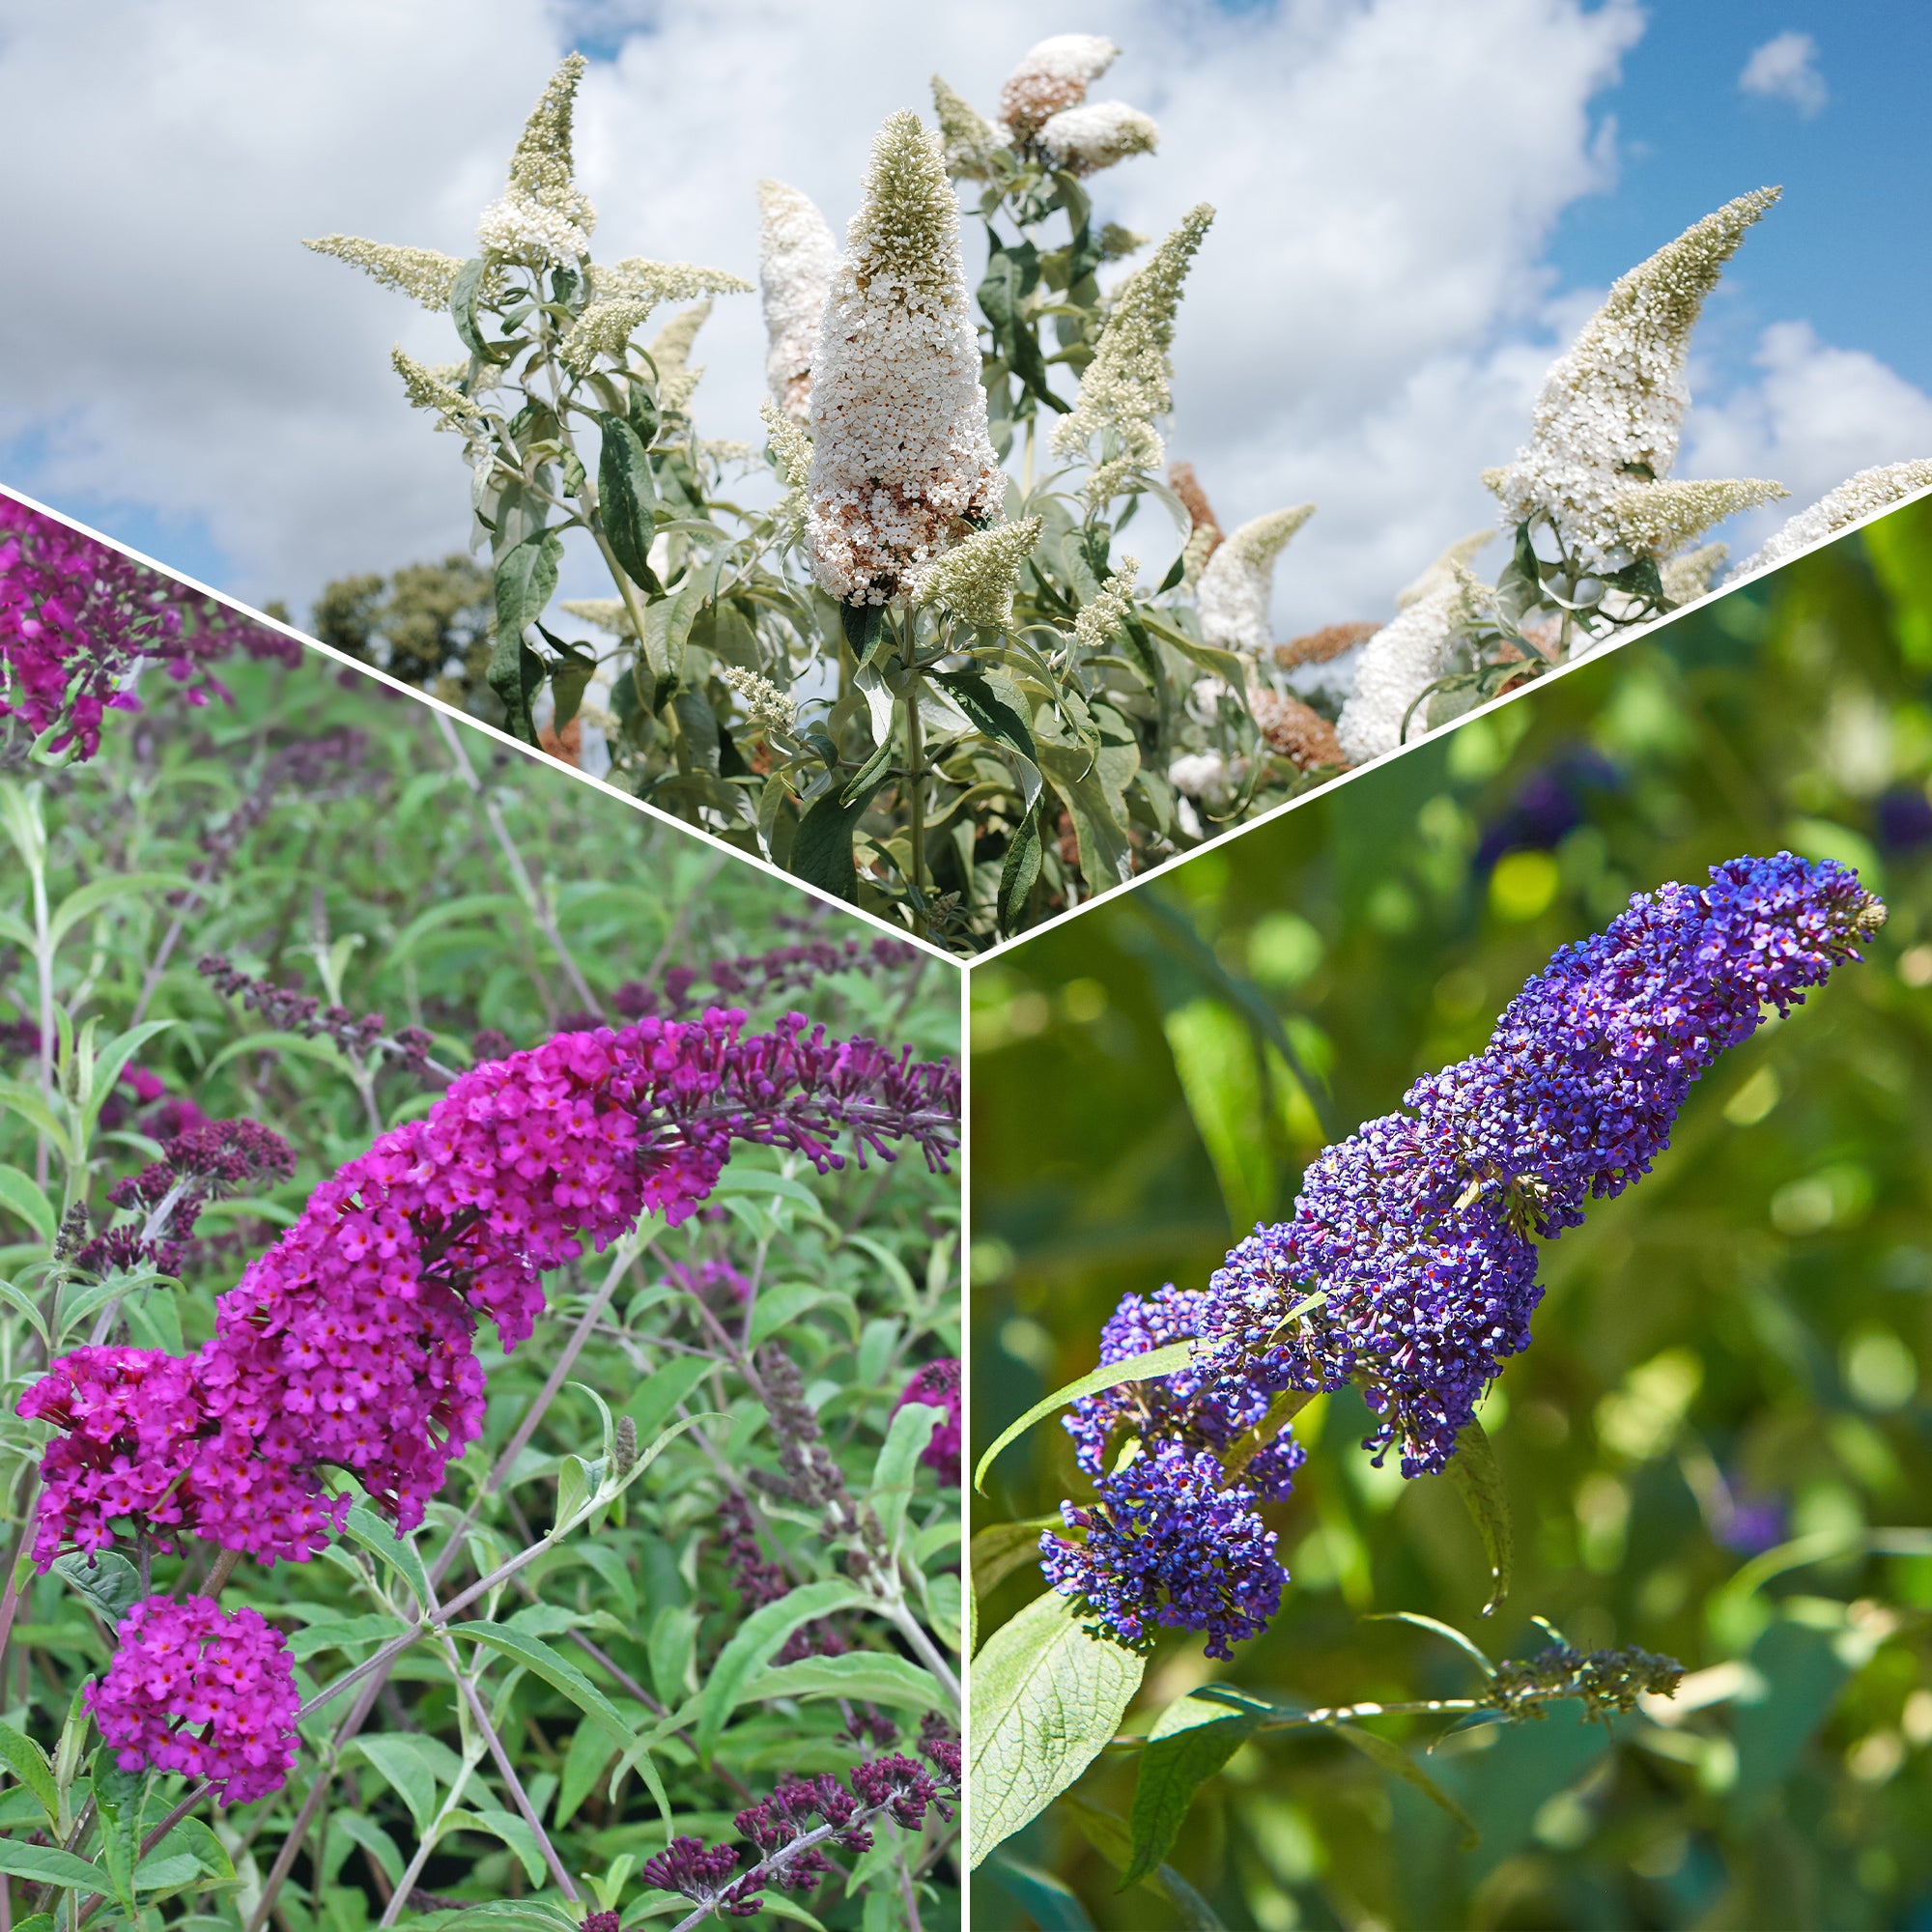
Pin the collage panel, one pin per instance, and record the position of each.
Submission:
(1494, 1194)
(478, 1316)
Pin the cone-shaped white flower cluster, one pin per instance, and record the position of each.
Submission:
(1096, 134)
(1857, 497)
(544, 221)
(977, 580)
(901, 454)
(1606, 426)
(420, 274)
(796, 259)
(1690, 576)
(1237, 581)
(670, 350)
(1094, 628)
(1398, 664)
(970, 140)
(1053, 76)
(1125, 387)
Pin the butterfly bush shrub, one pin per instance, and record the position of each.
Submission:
(1408, 1270)
(931, 674)
(78, 625)
(480, 1342)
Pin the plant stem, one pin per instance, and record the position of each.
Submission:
(291, 1845)
(915, 786)
(627, 1253)
(532, 896)
(506, 1769)
(193, 1797)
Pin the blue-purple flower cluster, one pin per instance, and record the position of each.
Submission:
(1173, 1538)
(1408, 1264)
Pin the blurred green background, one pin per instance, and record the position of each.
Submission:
(1724, 1412)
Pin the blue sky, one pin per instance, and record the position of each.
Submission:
(1848, 248)
(1413, 211)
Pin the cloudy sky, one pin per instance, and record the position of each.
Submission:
(1419, 201)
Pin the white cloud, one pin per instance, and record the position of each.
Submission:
(1786, 68)
(1366, 326)
(1815, 417)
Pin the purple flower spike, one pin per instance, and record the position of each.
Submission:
(1410, 1263)
(1418, 1228)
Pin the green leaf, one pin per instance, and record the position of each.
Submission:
(1190, 1742)
(406, 1771)
(525, 577)
(673, 1648)
(1393, 1759)
(166, 1872)
(863, 625)
(462, 293)
(557, 1671)
(513, 1915)
(781, 1306)
(583, 1764)
(99, 894)
(662, 1392)
(871, 1676)
(1475, 1471)
(31, 1765)
(118, 1796)
(1110, 1835)
(821, 850)
(342, 1632)
(51, 1865)
(1421, 1622)
(198, 1841)
(1020, 872)
(992, 714)
(377, 1535)
(109, 1582)
(513, 1832)
(627, 495)
(363, 1830)
(1002, 1547)
(1227, 665)
(756, 1640)
(1047, 1697)
(896, 1469)
(23, 1305)
(20, 1098)
(1093, 785)
(1148, 1367)
(112, 1056)
(19, 1192)
(1049, 1902)
(322, 1049)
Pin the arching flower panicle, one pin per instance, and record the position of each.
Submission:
(902, 467)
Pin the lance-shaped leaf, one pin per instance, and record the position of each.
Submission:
(756, 1641)
(1393, 1759)
(1191, 1740)
(627, 497)
(1047, 1696)
(1148, 1367)
(1478, 1475)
